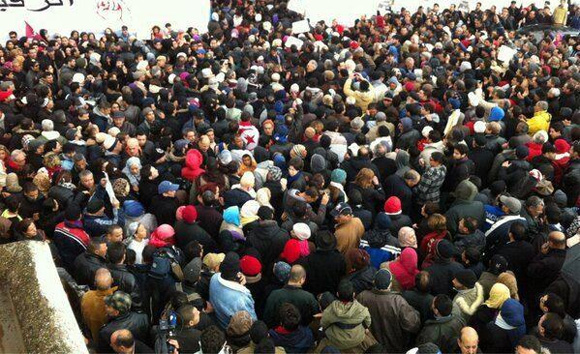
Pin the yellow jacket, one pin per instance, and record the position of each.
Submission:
(363, 99)
(540, 121)
(560, 16)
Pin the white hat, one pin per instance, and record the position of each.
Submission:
(479, 127)
(425, 132)
(181, 54)
(171, 78)
(301, 231)
(275, 77)
(294, 88)
(267, 26)
(78, 77)
(114, 131)
(109, 142)
(258, 17)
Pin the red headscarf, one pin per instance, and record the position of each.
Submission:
(405, 269)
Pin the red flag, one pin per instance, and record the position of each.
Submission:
(30, 31)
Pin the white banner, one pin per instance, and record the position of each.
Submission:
(64, 16)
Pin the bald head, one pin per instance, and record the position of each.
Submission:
(122, 341)
(297, 275)
(468, 340)
(103, 279)
(557, 240)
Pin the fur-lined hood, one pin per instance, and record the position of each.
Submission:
(468, 301)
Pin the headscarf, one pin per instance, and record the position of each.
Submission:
(402, 160)
(263, 196)
(498, 294)
(163, 236)
(249, 212)
(404, 269)
(407, 237)
(133, 179)
(232, 216)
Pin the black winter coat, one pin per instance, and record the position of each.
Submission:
(164, 209)
(137, 323)
(86, 265)
(324, 270)
(126, 282)
(442, 272)
(185, 233)
(269, 239)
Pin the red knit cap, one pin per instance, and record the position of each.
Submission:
(409, 86)
(354, 45)
(250, 266)
(562, 146)
(189, 214)
(393, 206)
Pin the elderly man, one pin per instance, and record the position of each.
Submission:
(468, 341)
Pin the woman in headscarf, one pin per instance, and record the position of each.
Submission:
(498, 294)
(407, 237)
(232, 221)
(137, 240)
(133, 172)
(404, 270)
(263, 197)
(163, 236)
(249, 215)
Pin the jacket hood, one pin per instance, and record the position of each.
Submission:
(466, 191)
(193, 159)
(402, 159)
(348, 313)
(407, 124)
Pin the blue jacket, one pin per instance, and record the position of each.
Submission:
(228, 297)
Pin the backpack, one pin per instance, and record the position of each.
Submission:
(164, 264)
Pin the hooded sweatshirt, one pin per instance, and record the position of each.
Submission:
(192, 169)
(464, 206)
(345, 323)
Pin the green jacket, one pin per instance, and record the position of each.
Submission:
(345, 324)
(442, 331)
(303, 300)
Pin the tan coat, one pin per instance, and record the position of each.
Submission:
(93, 310)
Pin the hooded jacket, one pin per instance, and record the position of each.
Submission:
(269, 239)
(345, 324)
(540, 121)
(464, 206)
(363, 99)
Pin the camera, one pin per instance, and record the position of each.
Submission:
(165, 331)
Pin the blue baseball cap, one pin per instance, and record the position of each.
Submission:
(167, 186)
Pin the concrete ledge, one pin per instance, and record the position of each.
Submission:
(40, 307)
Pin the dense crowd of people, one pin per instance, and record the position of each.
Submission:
(395, 186)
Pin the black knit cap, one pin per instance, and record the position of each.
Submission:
(230, 267)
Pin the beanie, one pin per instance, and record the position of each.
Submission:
(282, 271)
(230, 266)
(383, 221)
(250, 265)
(393, 206)
(301, 231)
(338, 176)
(445, 249)
(562, 146)
(189, 214)
(133, 208)
(466, 277)
(382, 279)
(496, 114)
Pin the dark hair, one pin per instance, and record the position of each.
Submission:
(125, 340)
(553, 326)
(297, 163)
(470, 224)
(553, 213)
(115, 252)
(23, 225)
(192, 250)
(437, 156)
(29, 187)
(462, 148)
(555, 304)
(530, 342)
(345, 291)
(130, 256)
(212, 340)
(443, 304)
(518, 230)
(258, 331)
(289, 316)
(473, 255)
